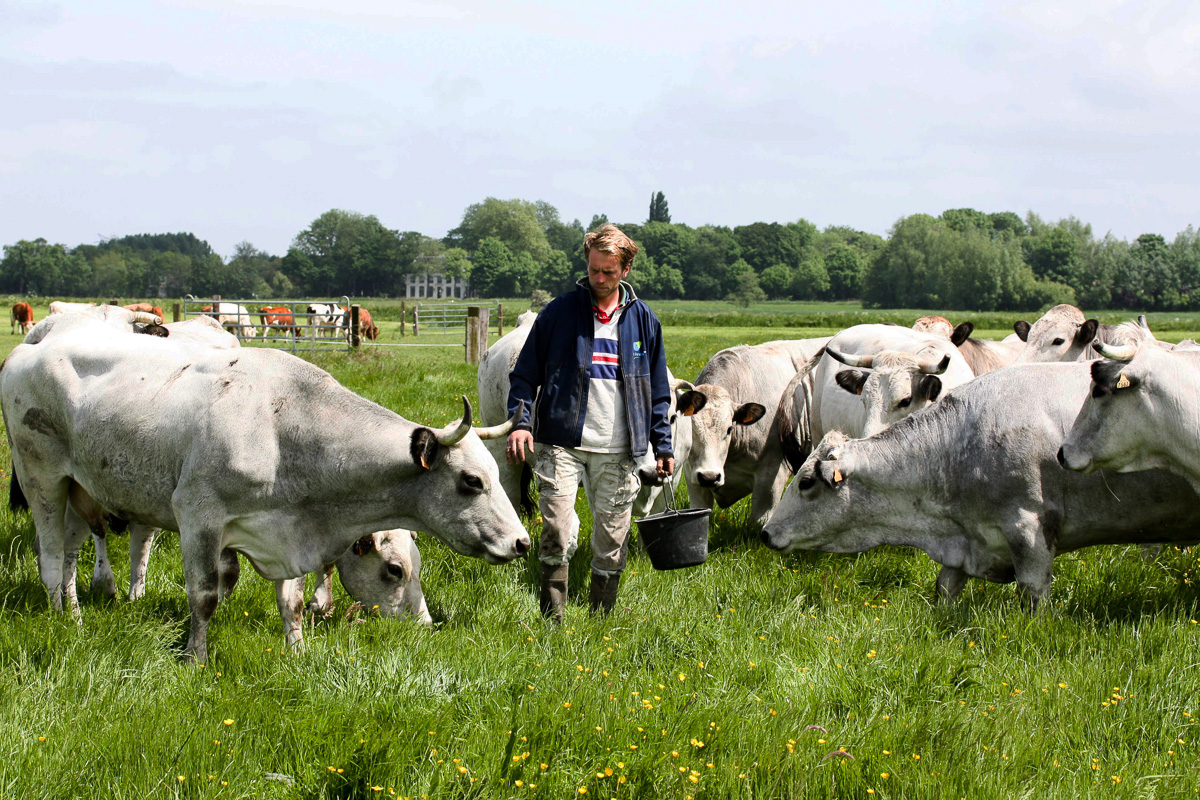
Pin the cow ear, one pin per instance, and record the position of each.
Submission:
(962, 333)
(424, 447)
(364, 545)
(691, 402)
(851, 380)
(930, 387)
(749, 413)
(1022, 329)
(1087, 332)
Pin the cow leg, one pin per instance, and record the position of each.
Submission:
(322, 600)
(770, 479)
(289, 594)
(102, 573)
(231, 570)
(1033, 562)
(48, 506)
(201, 553)
(950, 583)
(76, 533)
(141, 537)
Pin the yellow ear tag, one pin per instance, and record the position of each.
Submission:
(837, 475)
(1123, 382)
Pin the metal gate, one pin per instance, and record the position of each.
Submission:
(293, 325)
(444, 317)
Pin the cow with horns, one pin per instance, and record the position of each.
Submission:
(232, 450)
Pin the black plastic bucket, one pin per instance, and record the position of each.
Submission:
(676, 539)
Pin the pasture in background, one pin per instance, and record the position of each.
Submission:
(704, 683)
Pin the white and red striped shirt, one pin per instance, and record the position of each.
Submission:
(604, 426)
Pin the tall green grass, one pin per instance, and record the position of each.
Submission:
(753, 676)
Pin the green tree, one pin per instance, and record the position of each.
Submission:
(766, 243)
(666, 243)
(517, 223)
(776, 280)
(499, 272)
(32, 267)
(1007, 223)
(845, 266)
(962, 219)
(597, 221)
(1054, 255)
(349, 253)
(810, 280)
(708, 260)
(557, 275)
(658, 209)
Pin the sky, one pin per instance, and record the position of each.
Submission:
(244, 121)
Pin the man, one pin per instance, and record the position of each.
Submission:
(595, 362)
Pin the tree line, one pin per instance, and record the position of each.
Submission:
(963, 259)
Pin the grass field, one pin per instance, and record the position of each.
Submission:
(752, 676)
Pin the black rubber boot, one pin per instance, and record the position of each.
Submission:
(604, 592)
(553, 600)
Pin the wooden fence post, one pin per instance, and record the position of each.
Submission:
(403, 313)
(499, 319)
(416, 320)
(177, 312)
(355, 341)
(477, 334)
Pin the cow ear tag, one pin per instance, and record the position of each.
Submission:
(1123, 382)
(837, 475)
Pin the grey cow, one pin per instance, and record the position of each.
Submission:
(255, 451)
(974, 481)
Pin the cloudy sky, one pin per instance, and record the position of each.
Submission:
(246, 120)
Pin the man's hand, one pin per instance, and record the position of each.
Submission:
(518, 441)
(666, 466)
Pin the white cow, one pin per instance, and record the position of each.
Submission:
(893, 372)
(328, 319)
(733, 453)
(382, 571)
(492, 384)
(62, 306)
(235, 318)
(232, 449)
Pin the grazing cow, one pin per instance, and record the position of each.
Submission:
(984, 355)
(735, 430)
(22, 316)
(368, 328)
(327, 319)
(1141, 413)
(382, 571)
(147, 308)
(62, 306)
(974, 482)
(233, 451)
(893, 372)
(278, 318)
(234, 318)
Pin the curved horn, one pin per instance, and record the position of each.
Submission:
(931, 367)
(1117, 352)
(449, 438)
(146, 318)
(503, 429)
(863, 362)
(1142, 321)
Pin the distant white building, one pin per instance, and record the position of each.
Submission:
(435, 285)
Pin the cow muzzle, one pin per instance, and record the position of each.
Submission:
(710, 479)
(649, 476)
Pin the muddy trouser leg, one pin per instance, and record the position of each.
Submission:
(612, 485)
(558, 472)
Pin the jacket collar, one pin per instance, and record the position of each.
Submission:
(627, 293)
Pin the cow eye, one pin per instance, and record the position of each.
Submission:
(904, 403)
(396, 571)
(674, 417)
(470, 484)
(807, 482)
(1058, 341)
(730, 431)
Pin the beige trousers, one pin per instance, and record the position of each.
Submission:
(611, 484)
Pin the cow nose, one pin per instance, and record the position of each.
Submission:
(1062, 459)
(766, 537)
(649, 477)
(522, 546)
(708, 479)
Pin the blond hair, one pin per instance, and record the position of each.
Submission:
(609, 239)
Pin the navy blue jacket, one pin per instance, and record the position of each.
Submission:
(557, 358)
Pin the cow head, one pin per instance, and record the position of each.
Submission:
(1061, 334)
(892, 384)
(383, 572)
(458, 495)
(1117, 427)
(714, 417)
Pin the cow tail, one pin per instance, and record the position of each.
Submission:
(16, 497)
(795, 427)
(527, 507)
